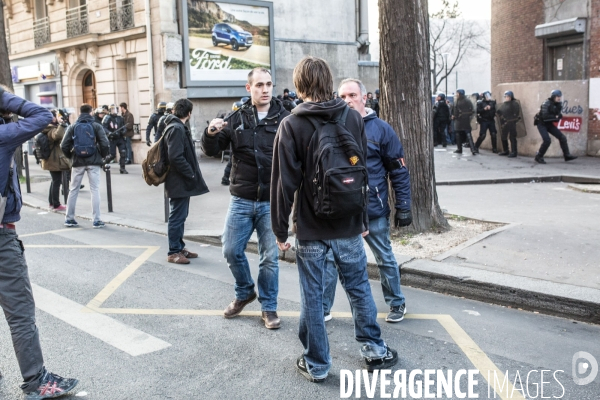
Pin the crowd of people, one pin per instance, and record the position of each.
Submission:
(453, 123)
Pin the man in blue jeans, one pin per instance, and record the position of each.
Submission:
(385, 161)
(293, 159)
(250, 132)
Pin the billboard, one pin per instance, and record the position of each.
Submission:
(224, 40)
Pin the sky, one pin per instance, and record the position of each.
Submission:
(470, 9)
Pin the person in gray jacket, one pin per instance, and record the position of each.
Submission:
(90, 164)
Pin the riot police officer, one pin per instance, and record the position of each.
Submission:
(441, 119)
(114, 126)
(486, 113)
(462, 114)
(161, 125)
(551, 112)
(153, 121)
(509, 114)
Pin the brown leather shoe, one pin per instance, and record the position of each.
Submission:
(178, 258)
(188, 254)
(271, 319)
(237, 306)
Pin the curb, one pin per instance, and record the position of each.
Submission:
(488, 292)
(527, 179)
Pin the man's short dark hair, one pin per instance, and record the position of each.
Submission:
(124, 105)
(182, 108)
(286, 90)
(85, 108)
(257, 69)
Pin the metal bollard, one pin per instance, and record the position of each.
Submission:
(65, 184)
(166, 204)
(108, 187)
(26, 162)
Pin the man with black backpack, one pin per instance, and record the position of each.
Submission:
(86, 144)
(251, 132)
(319, 166)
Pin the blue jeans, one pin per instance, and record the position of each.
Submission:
(243, 217)
(351, 261)
(378, 240)
(179, 209)
(129, 150)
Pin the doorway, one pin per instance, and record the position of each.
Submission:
(89, 89)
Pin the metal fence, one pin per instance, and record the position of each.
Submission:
(121, 15)
(41, 32)
(77, 21)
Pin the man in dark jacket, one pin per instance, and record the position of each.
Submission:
(385, 162)
(486, 114)
(114, 125)
(441, 119)
(183, 180)
(251, 132)
(153, 121)
(550, 113)
(16, 297)
(128, 120)
(315, 236)
(462, 114)
(92, 165)
(509, 113)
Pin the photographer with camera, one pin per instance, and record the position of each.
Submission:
(115, 130)
(16, 296)
(85, 143)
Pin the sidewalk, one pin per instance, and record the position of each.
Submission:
(546, 260)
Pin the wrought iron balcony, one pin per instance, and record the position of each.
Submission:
(121, 14)
(77, 21)
(41, 32)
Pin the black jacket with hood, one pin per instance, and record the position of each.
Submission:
(292, 162)
(252, 149)
(184, 178)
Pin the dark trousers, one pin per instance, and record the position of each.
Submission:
(16, 300)
(179, 210)
(227, 170)
(120, 143)
(484, 127)
(549, 129)
(129, 150)
(439, 133)
(509, 132)
(54, 192)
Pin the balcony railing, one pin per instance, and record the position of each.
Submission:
(77, 21)
(121, 14)
(41, 32)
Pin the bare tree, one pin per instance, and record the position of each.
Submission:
(406, 100)
(6, 77)
(455, 37)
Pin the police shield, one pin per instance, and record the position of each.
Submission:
(464, 113)
(508, 113)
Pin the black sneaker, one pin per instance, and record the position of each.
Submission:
(301, 367)
(52, 386)
(539, 159)
(390, 359)
(396, 314)
(71, 223)
(569, 157)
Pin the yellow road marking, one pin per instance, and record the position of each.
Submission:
(89, 246)
(118, 280)
(49, 232)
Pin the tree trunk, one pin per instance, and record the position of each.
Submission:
(6, 77)
(405, 101)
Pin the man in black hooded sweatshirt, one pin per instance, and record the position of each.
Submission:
(293, 159)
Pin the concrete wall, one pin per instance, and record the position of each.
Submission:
(368, 73)
(532, 95)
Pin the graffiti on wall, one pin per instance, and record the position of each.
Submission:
(572, 118)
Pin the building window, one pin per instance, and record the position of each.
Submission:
(121, 14)
(41, 27)
(565, 58)
(77, 18)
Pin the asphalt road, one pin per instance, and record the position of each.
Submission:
(153, 330)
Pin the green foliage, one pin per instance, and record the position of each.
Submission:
(448, 11)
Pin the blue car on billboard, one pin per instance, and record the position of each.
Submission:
(231, 34)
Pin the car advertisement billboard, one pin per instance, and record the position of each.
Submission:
(224, 40)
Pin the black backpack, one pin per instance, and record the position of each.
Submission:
(340, 183)
(42, 146)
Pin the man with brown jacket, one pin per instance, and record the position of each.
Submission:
(56, 163)
(128, 118)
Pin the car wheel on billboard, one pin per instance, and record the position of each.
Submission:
(215, 43)
(234, 45)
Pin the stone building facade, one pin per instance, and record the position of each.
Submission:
(67, 52)
(541, 45)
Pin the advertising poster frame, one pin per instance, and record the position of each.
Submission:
(213, 88)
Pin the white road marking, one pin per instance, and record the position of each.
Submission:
(471, 312)
(125, 338)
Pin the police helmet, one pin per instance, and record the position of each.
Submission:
(236, 105)
(510, 94)
(244, 99)
(442, 96)
(162, 106)
(100, 110)
(555, 93)
(170, 106)
(376, 91)
(114, 110)
(460, 92)
(487, 95)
